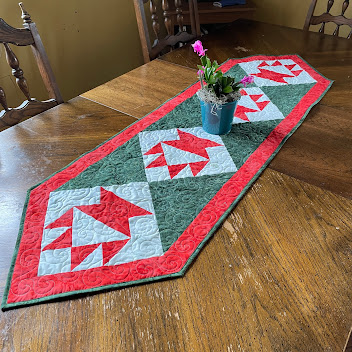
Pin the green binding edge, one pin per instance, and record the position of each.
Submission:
(86, 292)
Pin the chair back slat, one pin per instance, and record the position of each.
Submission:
(178, 5)
(32, 107)
(326, 17)
(17, 36)
(17, 72)
(344, 8)
(172, 16)
(167, 20)
(328, 8)
(3, 100)
(27, 36)
(155, 18)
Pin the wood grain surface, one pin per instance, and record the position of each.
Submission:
(275, 277)
(143, 89)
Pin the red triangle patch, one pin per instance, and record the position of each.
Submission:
(276, 63)
(297, 73)
(290, 67)
(256, 97)
(63, 241)
(198, 166)
(156, 149)
(110, 249)
(160, 161)
(64, 220)
(263, 64)
(78, 254)
(193, 144)
(175, 169)
(262, 105)
(241, 112)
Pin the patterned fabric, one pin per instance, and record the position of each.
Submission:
(140, 206)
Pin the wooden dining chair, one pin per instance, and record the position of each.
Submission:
(327, 17)
(27, 36)
(172, 17)
(348, 345)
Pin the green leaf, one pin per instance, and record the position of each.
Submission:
(218, 75)
(227, 89)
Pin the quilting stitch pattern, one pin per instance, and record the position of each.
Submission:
(137, 207)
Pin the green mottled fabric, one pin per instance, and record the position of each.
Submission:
(122, 166)
(286, 97)
(178, 202)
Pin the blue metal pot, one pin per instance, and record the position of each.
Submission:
(217, 119)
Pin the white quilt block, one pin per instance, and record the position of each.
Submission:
(255, 106)
(276, 72)
(184, 152)
(100, 226)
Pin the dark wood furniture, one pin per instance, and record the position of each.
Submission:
(210, 14)
(326, 17)
(275, 277)
(348, 347)
(23, 37)
(170, 11)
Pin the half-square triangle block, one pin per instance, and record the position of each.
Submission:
(255, 106)
(276, 72)
(116, 218)
(186, 152)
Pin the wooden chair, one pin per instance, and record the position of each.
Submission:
(172, 14)
(348, 345)
(24, 37)
(327, 17)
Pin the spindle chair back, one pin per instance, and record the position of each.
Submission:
(26, 36)
(327, 17)
(172, 18)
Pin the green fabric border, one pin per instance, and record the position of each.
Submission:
(183, 270)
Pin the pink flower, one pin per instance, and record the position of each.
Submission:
(247, 80)
(198, 48)
(200, 72)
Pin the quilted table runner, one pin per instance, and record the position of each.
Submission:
(140, 206)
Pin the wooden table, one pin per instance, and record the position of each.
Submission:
(275, 277)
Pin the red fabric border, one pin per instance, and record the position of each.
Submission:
(25, 285)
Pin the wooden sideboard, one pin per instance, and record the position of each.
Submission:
(208, 13)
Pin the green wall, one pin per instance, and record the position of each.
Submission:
(90, 42)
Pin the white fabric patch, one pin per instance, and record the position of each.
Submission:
(55, 261)
(87, 230)
(276, 72)
(168, 154)
(134, 198)
(256, 106)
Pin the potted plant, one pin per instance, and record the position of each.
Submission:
(218, 95)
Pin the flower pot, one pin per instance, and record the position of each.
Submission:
(217, 119)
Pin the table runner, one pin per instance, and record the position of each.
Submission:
(140, 206)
